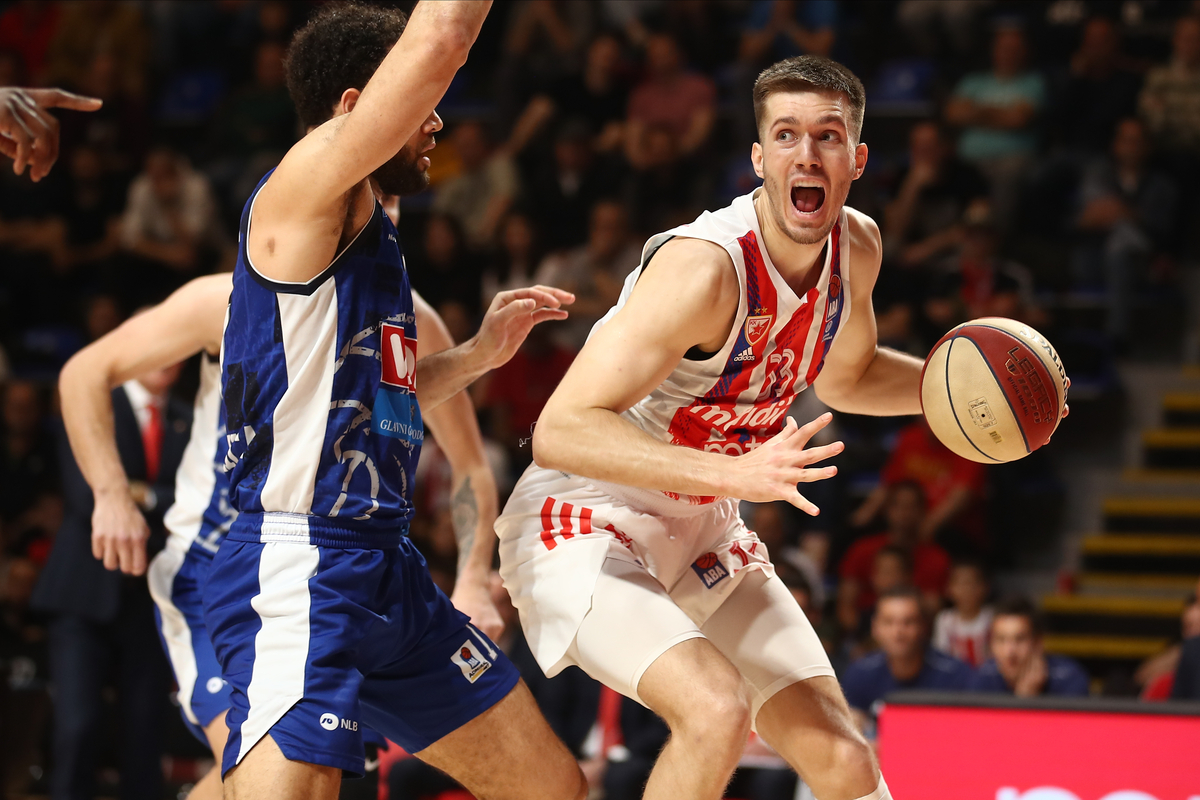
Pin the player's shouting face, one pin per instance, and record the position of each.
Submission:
(807, 158)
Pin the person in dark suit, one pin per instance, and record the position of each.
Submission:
(1187, 674)
(102, 627)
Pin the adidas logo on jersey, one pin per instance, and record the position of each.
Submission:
(745, 355)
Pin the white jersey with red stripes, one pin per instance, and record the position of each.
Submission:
(735, 400)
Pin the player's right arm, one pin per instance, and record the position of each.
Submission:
(688, 296)
(190, 320)
(302, 213)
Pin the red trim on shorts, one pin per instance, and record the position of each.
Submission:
(564, 516)
(585, 519)
(548, 524)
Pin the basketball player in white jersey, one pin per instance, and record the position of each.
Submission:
(622, 547)
(189, 322)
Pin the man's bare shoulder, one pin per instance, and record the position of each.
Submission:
(203, 302)
(697, 266)
(866, 244)
(688, 293)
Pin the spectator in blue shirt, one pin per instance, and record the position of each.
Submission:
(997, 111)
(904, 659)
(1018, 665)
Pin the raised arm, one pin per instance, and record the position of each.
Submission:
(188, 321)
(302, 213)
(859, 376)
(474, 501)
(687, 297)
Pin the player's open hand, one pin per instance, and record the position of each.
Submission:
(119, 533)
(512, 316)
(29, 132)
(770, 472)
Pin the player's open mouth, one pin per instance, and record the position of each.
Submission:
(808, 199)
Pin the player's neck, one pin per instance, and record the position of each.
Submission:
(795, 261)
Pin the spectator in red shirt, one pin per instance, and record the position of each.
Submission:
(27, 28)
(671, 98)
(930, 565)
(952, 485)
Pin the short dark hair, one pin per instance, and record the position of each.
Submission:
(811, 74)
(340, 48)
(902, 593)
(1020, 606)
(971, 562)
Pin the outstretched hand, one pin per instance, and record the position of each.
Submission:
(512, 316)
(770, 472)
(28, 132)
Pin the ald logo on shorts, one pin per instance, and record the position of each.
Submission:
(470, 661)
(710, 569)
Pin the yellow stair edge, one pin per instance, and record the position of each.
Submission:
(1094, 646)
(1171, 437)
(1118, 580)
(1161, 475)
(1153, 506)
(1114, 544)
(1122, 606)
(1181, 401)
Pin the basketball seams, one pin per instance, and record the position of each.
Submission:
(950, 395)
(1049, 378)
(999, 385)
(1052, 369)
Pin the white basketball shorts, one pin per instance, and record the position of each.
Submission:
(609, 578)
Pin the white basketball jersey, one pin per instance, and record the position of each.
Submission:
(201, 514)
(734, 400)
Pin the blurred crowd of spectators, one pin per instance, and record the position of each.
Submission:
(1028, 160)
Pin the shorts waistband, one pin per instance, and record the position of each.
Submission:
(277, 526)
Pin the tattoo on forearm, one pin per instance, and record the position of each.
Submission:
(464, 511)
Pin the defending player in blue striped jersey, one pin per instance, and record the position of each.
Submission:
(321, 611)
(190, 322)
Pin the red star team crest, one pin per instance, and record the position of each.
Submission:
(399, 354)
(756, 327)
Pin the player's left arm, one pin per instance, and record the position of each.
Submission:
(859, 376)
(508, 321)
(475, 502)
(190, 320)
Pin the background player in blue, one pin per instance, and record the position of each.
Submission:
(187, 323)
(321, 612)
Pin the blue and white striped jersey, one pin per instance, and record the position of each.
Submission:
(201, 514)
(319, 384)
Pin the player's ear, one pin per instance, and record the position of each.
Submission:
(860, 160)
(348, 100)
(756, 158)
